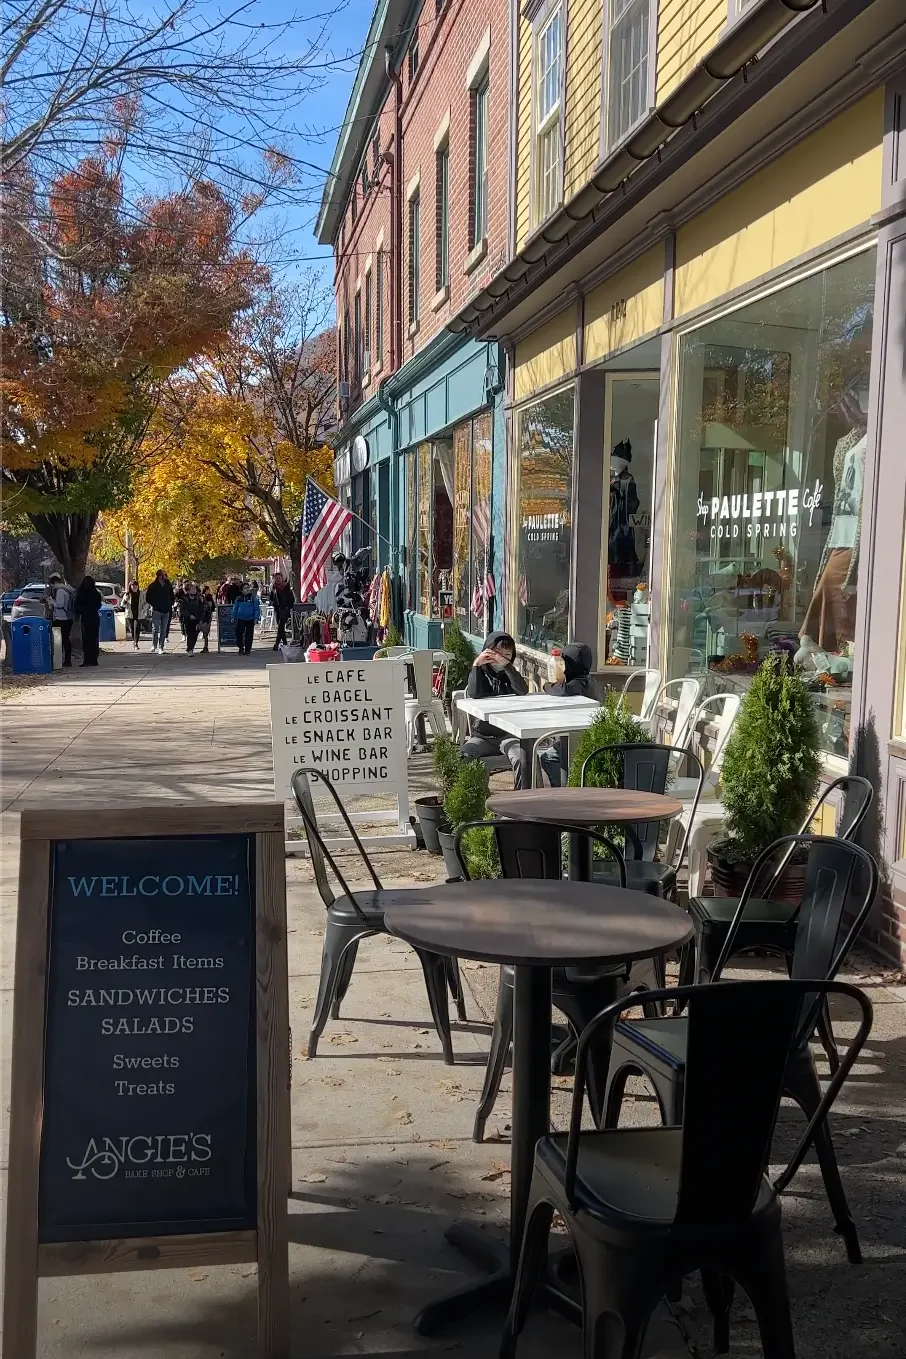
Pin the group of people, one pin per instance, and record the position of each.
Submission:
(65, 605)
(494, 675)
(192, 604)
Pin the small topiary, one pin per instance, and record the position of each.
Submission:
(447, 763)
(462, 655)
(467, 801)
(613, 725)
(771, 763)
(392, 637)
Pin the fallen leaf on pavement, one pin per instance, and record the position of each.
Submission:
(404, 1116)
(383, 1198)
(196, 1275)
(496, 1172)
(443, 1144)
(342, 1038)
(334, 1081)
(303, 1052)
(437, 1165)
(313, 1179)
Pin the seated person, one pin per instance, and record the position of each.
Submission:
(493, 675)
(569, 676)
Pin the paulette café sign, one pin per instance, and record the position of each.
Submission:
(763, 514)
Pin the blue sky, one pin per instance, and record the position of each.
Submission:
(320, 121)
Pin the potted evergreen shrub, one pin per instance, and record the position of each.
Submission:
(614, 725)
(463, 658)
(769, 774)
(466, 801)
(430, 809)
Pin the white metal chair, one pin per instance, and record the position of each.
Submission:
(705, 821)
(677, 698)
(653, 679)
(460, 720)
(424, 703)
(536, 771)
(268, 619)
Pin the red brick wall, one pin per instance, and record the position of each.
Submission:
(448, 42)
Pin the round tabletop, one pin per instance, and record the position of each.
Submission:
(584, 806)
(533, 922)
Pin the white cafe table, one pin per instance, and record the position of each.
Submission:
(528, 716)
(489, 709)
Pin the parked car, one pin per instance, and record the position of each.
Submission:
(111, 594)
(30, 602)
(7, 599)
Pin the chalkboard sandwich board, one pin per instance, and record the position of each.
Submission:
(149, 1120)
(226, 627)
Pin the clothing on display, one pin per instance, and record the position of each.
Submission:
(830, 619)
(624, 502)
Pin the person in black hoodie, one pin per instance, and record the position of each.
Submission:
(191, 614)
(87, 607)
(569, 676)
(493, 675)
(283, 599)
(159, 595)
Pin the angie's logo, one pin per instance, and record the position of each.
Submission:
(104, 1161)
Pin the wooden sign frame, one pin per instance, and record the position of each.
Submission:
(27, 1259)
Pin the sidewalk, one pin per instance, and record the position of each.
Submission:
(383, 1159)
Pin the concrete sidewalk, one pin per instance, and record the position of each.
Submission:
(383, 1159)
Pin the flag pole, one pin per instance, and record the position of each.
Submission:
(361, 520)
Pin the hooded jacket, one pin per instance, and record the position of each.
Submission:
(246, 609)
(484, 682)
(577, 682)
(159, 595)
(191, 606)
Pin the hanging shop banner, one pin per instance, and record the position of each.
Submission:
(148, 1051)
(347, 721)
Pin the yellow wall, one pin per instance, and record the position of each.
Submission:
(686, 30)
(524, 135)
(828, 184)
(583, 93)
(641, 286)
(547, 355)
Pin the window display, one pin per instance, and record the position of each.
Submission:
(630, 432)
(544, 472)
(771, 440)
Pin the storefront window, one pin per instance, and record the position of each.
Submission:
(544, 469)
(442, 530)
(771, 439)
(423, 545)
(411, 531)
(480, 521)
(630, 434)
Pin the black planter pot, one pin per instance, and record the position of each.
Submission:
(430, 813)
(447, 840)
(730, 877)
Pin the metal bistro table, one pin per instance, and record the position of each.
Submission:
(534, 925)
(584, 807)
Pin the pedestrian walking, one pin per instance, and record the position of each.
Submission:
(87, 606)
(209, 604)
(191, 613)
(233, 589)
(160, 596)
(60, 598)
(179, 595)
(283, 599)
(246, 613)
(135, 611)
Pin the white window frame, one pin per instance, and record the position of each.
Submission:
(551, 126)
(736, 9)
(609, 143)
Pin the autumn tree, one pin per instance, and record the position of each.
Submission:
(100, 307)
(189, 89)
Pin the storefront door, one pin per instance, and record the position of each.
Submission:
(630, 440)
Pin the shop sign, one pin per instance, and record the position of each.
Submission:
(761, 514)
(542, 528)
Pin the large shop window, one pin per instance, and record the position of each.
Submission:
(769, 475)
(449, 522)
(544, 470)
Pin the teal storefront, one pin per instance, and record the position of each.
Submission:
(423, 461)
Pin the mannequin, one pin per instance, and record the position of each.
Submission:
(624, 501)
(830, 622)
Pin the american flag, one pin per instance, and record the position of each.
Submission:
(322, 522)
(481, 519)
(484, 590)
(523, 589)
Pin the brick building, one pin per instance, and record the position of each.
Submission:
(417, 210)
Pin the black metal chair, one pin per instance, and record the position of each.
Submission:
(646, 768)
(767, 924)
(533, 849)
(656, 1048)
(646, 1206)
(354, 916)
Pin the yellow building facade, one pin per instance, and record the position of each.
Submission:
(704, 317)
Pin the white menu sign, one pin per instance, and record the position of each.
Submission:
(346, 719)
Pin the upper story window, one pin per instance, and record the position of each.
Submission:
(414, 257)
(629, 70)
(442, 223)
(379, 308)
(359, 367)
(481, 98)
(737, 7)
(366, 360)
(548, 107)
(413, 54)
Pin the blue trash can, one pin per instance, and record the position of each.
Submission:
(107, 631)
(31, 646)
(358, 653)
